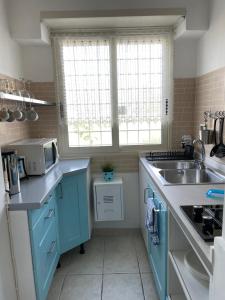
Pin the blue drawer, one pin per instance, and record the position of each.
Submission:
(45, 259)
(43, 226)
(35, 214)
(40, 228)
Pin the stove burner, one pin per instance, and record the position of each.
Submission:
(206, 219)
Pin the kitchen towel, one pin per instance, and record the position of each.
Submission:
(152, 222)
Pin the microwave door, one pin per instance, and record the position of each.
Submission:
(55, 152)
(51, 155)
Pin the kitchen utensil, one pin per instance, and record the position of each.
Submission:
(24, 112)
(10, 164)
(220, 152)
(4, 115)
(205, 134)
(11, 117)
(32, 115)
(214, 149)
(17, 113)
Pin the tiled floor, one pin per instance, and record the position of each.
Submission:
(113, 268)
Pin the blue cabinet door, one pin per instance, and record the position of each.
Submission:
(72, 211)
(158, 253)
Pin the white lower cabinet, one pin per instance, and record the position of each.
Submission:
(187, 278)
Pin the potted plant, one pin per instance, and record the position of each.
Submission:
(108, 171)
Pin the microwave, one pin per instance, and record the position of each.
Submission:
(41, 155)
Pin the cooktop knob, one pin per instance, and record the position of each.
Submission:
(197, 213)
(207, 226)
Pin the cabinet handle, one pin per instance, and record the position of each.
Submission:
(145, 190)
(52, 247)
(61, 190)
(51, 213)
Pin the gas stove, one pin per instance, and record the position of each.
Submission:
(206, 219)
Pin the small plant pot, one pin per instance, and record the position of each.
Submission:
(108, 176)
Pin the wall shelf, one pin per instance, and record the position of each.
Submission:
(33, 101)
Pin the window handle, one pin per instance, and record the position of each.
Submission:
(166, 106)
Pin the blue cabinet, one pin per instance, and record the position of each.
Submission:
(72, 202)
(43, 227)
(158, 253)
(61, 224)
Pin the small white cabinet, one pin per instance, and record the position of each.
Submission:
(108, 200)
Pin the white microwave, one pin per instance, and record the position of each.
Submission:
(41, 155)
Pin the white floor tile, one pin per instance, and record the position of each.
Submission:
(80, 276)
(149, 286)
(120, 255)
(122, 287)
(89, 263)
(142, 255)
(56, 286)
(82, 287)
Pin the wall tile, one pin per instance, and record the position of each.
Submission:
(183, 106)
(209, 95)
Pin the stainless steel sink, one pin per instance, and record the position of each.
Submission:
(166, 165)
(191, 176)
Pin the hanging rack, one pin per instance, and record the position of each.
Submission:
(11, 97)
(219, 114)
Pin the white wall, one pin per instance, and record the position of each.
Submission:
(10, 52)
(38, 63)
(131, 204)
(185, 50)
(211, 47)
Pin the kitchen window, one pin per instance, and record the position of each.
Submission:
(113, 90)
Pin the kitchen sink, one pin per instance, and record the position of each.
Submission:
(182, 164)
(190, 176)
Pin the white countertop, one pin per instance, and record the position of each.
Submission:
(178, 195)
(35, 189)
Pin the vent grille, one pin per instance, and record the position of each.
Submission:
(108, 199)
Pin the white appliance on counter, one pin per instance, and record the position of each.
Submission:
(41, 155)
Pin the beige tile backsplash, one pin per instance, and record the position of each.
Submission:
(192, 96)
(209, 95)
(183, 109)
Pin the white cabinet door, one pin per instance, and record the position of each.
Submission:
(144, 181)
(109, 202)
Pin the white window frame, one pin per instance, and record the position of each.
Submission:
(64, 148)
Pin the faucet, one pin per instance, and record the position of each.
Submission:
(200, 162)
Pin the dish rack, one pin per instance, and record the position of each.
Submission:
(169, 155)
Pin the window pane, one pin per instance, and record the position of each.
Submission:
(140, 84)
(86, 70)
